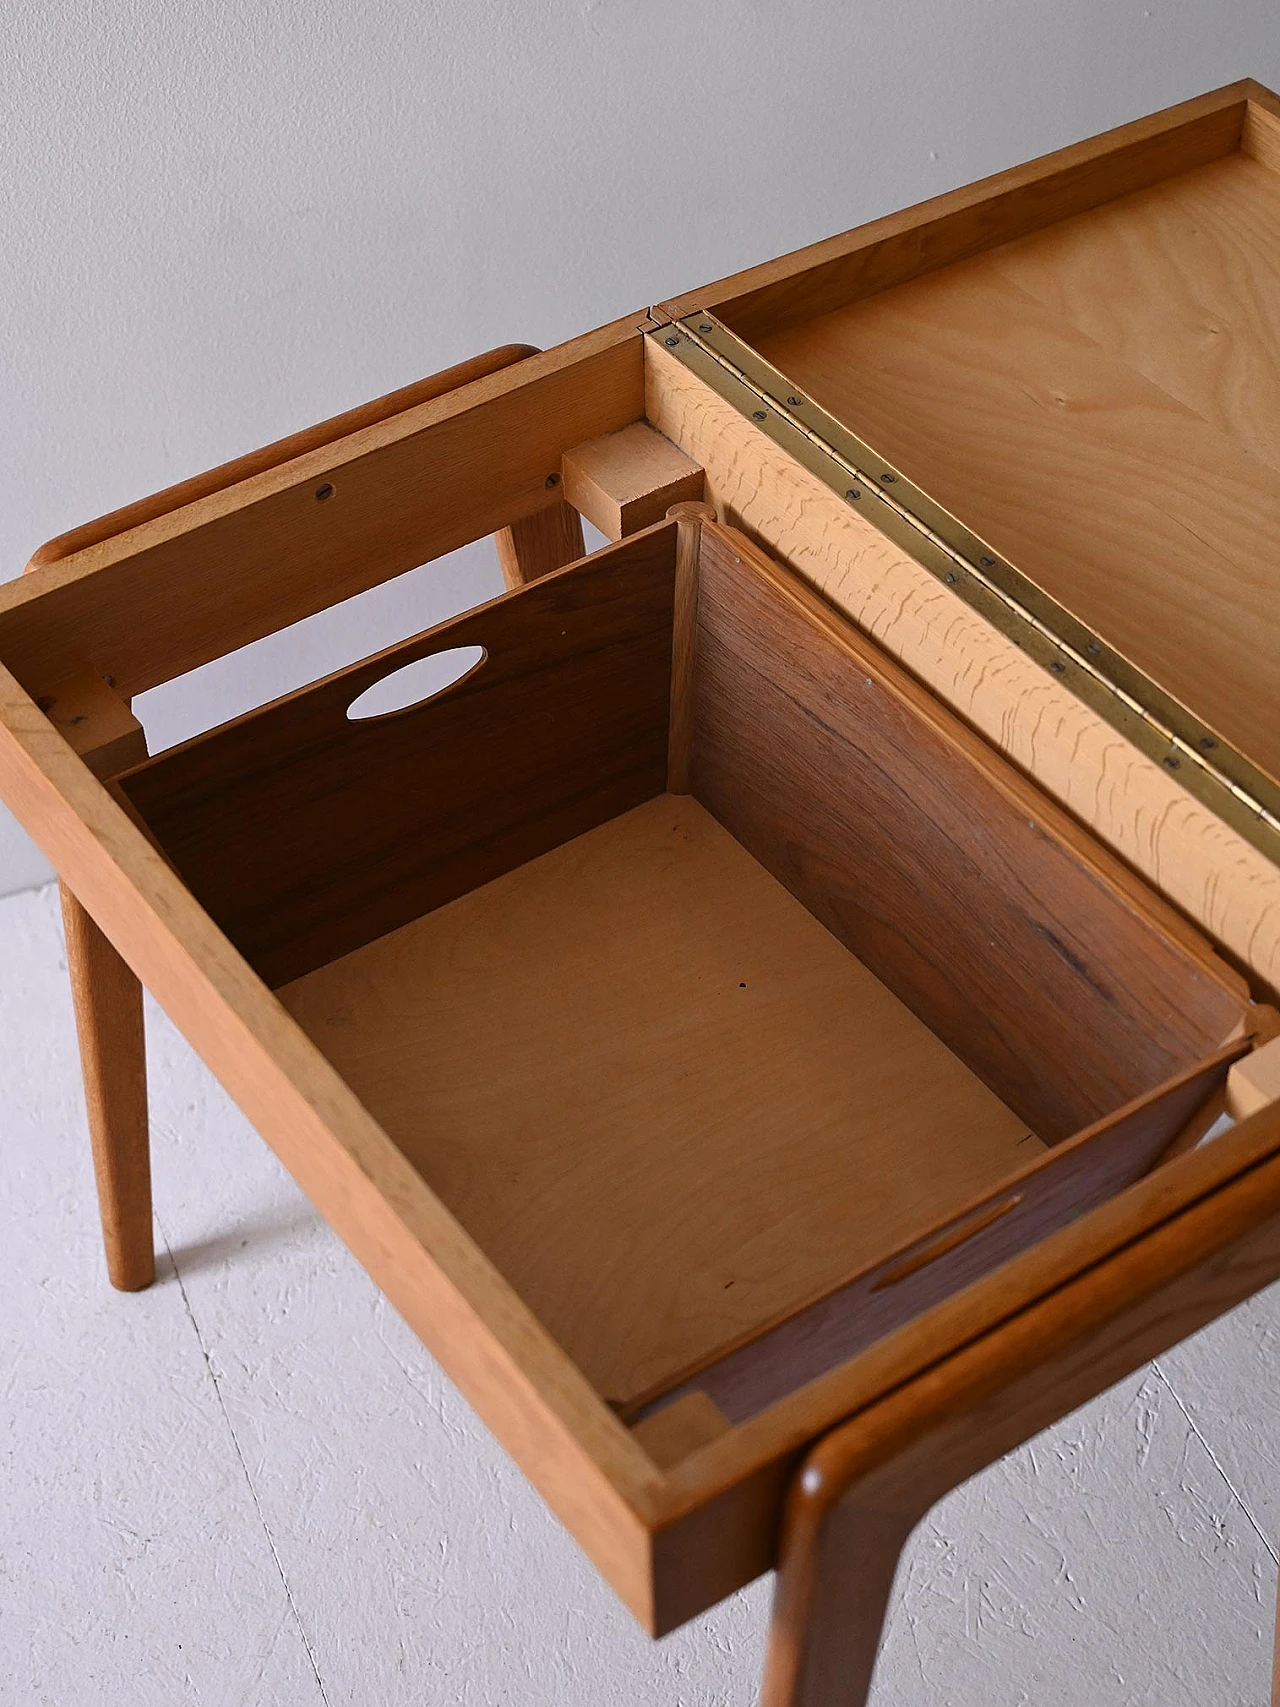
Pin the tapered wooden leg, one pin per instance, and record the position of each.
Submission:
(863, 1488)
(539, 543)
(108, 1003)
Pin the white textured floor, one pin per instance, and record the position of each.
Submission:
(252, 1485)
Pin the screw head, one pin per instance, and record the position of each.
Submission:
(759, 415)
(1172, 762)
(672, 342)
(1093, 648)
(1207, 743)
(706, 326)
(951, 580)
(854, 492)
(323, 492)
(888, 479)
(795, 402)
(552, 480)
(1057, 666)
(987, 562)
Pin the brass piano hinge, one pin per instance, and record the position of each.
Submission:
(1156, 723)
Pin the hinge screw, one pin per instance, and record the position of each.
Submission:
(707, 327)
(1093, 648)
(951, 579)
(1207, 743)
(854, 492)
(759, 415)
(1057, 666)
(1172, 763)
(552, 480)
(795, 402)
(888, 479)
(672, 342)
(987, 562)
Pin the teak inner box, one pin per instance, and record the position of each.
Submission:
(689, 1064)
(703, 1020)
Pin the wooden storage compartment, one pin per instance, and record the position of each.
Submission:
(727, 1084)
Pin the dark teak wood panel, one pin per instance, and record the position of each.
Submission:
(931, 859)
(305, 835)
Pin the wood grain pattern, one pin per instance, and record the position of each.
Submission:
(586, 1464)
(1047, 1193)
(629, 479)
(1175, 283)
(1102, 404)
(864, 1488)
(944, 872)
(304, 834)
(967, 221)
(665, 1100)
(194, 583)
(108, 1006)
(1128, 800)
(211, 481)
(538, 544)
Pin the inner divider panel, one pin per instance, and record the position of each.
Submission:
(1054, 1190)
(951, 878)
(304, 834)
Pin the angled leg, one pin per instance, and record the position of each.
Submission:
(863, 1488)
(108, 1003)
(93, 719)
(539, 543)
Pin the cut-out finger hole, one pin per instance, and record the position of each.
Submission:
(417, 683)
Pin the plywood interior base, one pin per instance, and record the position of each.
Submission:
(665, 1100)
(1100, 400)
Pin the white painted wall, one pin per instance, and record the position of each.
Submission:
(225, 220)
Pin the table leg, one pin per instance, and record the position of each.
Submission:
(108, 1004)
(539, 543)
(862, 1488)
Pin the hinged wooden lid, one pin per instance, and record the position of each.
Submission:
(1059, 391)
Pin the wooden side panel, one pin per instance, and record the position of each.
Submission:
(197, 582)
(298, 444)
(304, 834)
(1053, 1191)
(948, 228)
(943, 873)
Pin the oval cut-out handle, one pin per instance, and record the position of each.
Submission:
(957, 1234)
(414, 684)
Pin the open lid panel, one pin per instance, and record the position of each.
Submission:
(1059, 391)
